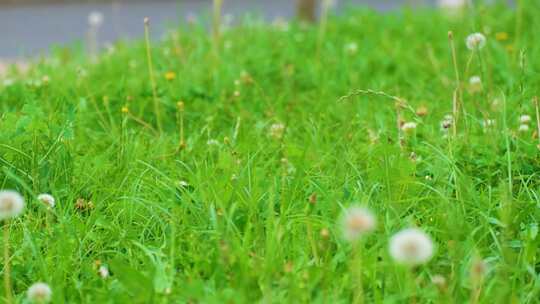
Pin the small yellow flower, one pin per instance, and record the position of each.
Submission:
(170, 76)
(125, 109)
(501, 36)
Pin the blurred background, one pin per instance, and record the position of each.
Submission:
(31, 27)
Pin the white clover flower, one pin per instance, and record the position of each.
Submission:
(39, 293)
(475, 41)
(351, 48)
(47, 199)
(523, 128)
(103, 272)
(452, 4)
(408, 127)
(95, 19)
(524, 119)
(277, 130)
(411, 246)
(11, 204)
(357, 221)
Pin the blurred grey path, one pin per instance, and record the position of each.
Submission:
(33, 29)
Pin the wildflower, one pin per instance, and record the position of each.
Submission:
(357, 221)
(408, 127)
(39, 293)
(236, 93)
(351, 48)
(170, 76)
(411, 246)
(523, 128)
(125, 109)
(45, 79)
(451, 4)
(475, 41)
(501, 36)
(524, 119)
(95, 19)
(277, 130)
(475, 84)
(47, 199)
(11, 204)
(103, 272)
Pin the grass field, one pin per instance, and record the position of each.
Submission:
(227, 183)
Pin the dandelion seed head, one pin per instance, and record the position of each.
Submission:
(411, 247)
(475, 84)
(452, 4)
(475, 41)
(95, 19)
(39, 293)
(524, 119)
(11, 204)
(103, 272)
(523, 128)
(357, 221)
(47, 199)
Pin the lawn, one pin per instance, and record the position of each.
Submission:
(226, 168)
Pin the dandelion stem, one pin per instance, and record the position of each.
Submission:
(7, 265)
(457, 91)
(216, 23)
(535, 100)
(357, 271)
(151, 73)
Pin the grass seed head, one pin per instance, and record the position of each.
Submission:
(411, 246)
(11, 204)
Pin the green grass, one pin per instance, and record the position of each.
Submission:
(226, 218)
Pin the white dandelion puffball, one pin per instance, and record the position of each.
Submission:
(39, 293)
(452, 4)
(411, 246)
(95, 19)
(357, 221)
(47, 199)
(408, 127)
(103, 272)
(11, 204)
(475, 41)
(525, 119)
(523, 128)
(277, 130)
